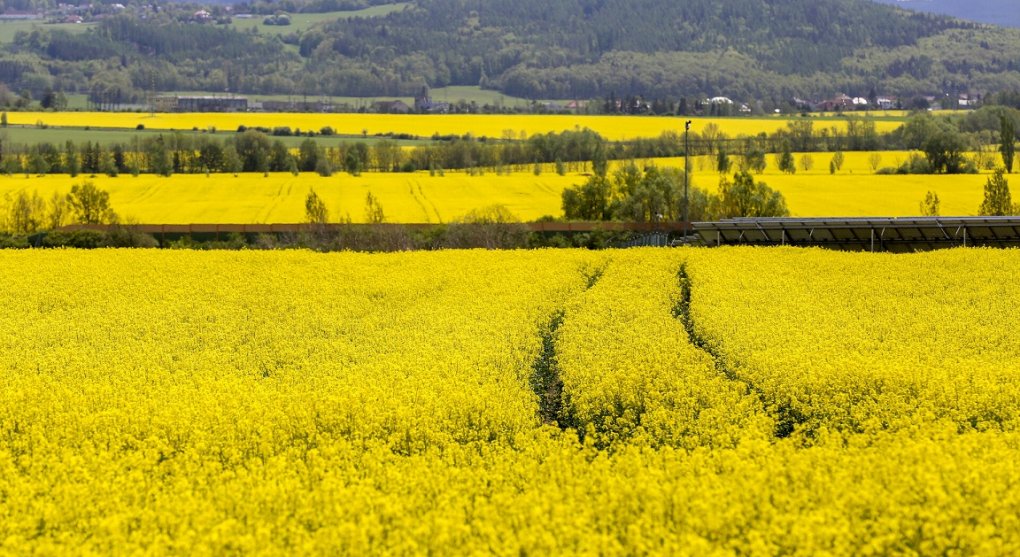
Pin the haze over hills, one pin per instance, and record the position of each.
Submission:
(995, 12)
(570, 49)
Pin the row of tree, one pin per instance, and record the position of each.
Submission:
(943, 141)
(166, 154)
(256, 151)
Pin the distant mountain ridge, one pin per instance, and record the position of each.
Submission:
(994, 12)
(746, 50)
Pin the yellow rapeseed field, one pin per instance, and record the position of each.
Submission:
(282, 403)
(881, 196)
(280, 197)
(419, 197)
(644, 382)
(424, 125)
(855, 190)
(895, 342)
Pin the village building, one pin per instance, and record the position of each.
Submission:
(968, 101)
(200, 103)
(424, 104)
(391, 107)
(837, 103)
(319, 105)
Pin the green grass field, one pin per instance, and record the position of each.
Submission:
(24, 136)
(9, 28)
(452, 94)
(77, 101)
(299, 23)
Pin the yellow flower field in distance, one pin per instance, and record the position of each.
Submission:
(878, 196)
(425, 125)
(854, 191)
(175, 402)
(280, 197)
(854, 162)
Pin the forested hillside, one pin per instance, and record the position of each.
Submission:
(744, 49)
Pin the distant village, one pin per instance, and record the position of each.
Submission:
(423, 103)
(847, 103)
(92, 12)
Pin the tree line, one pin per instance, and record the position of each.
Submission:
(943, 141)
(254, 150)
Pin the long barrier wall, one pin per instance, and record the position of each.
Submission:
(304, 227)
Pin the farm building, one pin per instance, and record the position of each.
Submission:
(203, 103)
(320, 105)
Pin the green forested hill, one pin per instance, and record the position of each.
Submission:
(582, 48)
(744, 49)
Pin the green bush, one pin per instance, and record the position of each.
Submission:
(91, 239)
(86, 239)
(13, 241)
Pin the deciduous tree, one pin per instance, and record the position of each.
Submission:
(743, 197)
(997, 201)
(373, 210)
(931, 205)
(90, 205)
(315, 209)
(1007, 142)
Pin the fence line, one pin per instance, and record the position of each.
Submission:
(206, 228)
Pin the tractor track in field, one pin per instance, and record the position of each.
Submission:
(545, 376)
(786, 417)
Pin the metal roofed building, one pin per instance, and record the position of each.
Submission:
(200, 103)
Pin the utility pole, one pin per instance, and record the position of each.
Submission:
(687, 175)
(152, 94)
